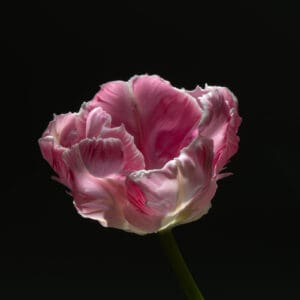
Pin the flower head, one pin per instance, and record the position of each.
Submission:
(142, 155)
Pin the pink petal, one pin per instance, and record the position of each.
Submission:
(100, 157)
(99, 124)
(166, 197)
(94, 197)
(159, 116)
(98, 198)
(133, 158)
(197, 173)
(46, 145)
(67, 129)
(197, 92)
(96, 120)
(52, 153)
(101, 200)
(220, 123)
(138, 215)
(116, 99)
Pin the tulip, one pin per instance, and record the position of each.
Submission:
(144, 156)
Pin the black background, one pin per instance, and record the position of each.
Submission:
(56, 54)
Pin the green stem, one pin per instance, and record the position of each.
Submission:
(179, 266)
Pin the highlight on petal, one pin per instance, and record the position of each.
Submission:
(166, 196)
(160, 117)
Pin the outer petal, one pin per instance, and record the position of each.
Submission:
(62, 132)
(159, 116)
(167, 197)
(96, 166)
(198, 92)
(220, 122)
(52, 153)
(67, 129)
(99, 198)
(117, 144)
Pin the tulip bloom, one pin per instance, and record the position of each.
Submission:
(142, 155)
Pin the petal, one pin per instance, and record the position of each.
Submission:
(197, 92)
(67, 129)
(133, 158)
(159, 116)
(116, 99)
(53, 153)
(196, 167)
(99, 157)
(220, 123)
(140, 186)
(96, 120)
(46, 145)
(164, 197)
(96, 198)
(101, 200)
(99, 124)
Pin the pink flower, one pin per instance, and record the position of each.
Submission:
(142, 155)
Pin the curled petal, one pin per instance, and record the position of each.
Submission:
(97, 189)
(62, 132)
(133, 158)
(99, 124)
(220, 123)
(52, 153)
(197, 92)
(96, 120)
(159, 116)
(165, 196)
(46, 145)
(66, 129)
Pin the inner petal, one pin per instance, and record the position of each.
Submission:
(161, 118)
(95, 122)
(98, 125)
(68, 129)
(101, 157)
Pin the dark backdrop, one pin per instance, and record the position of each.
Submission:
(57, 53)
